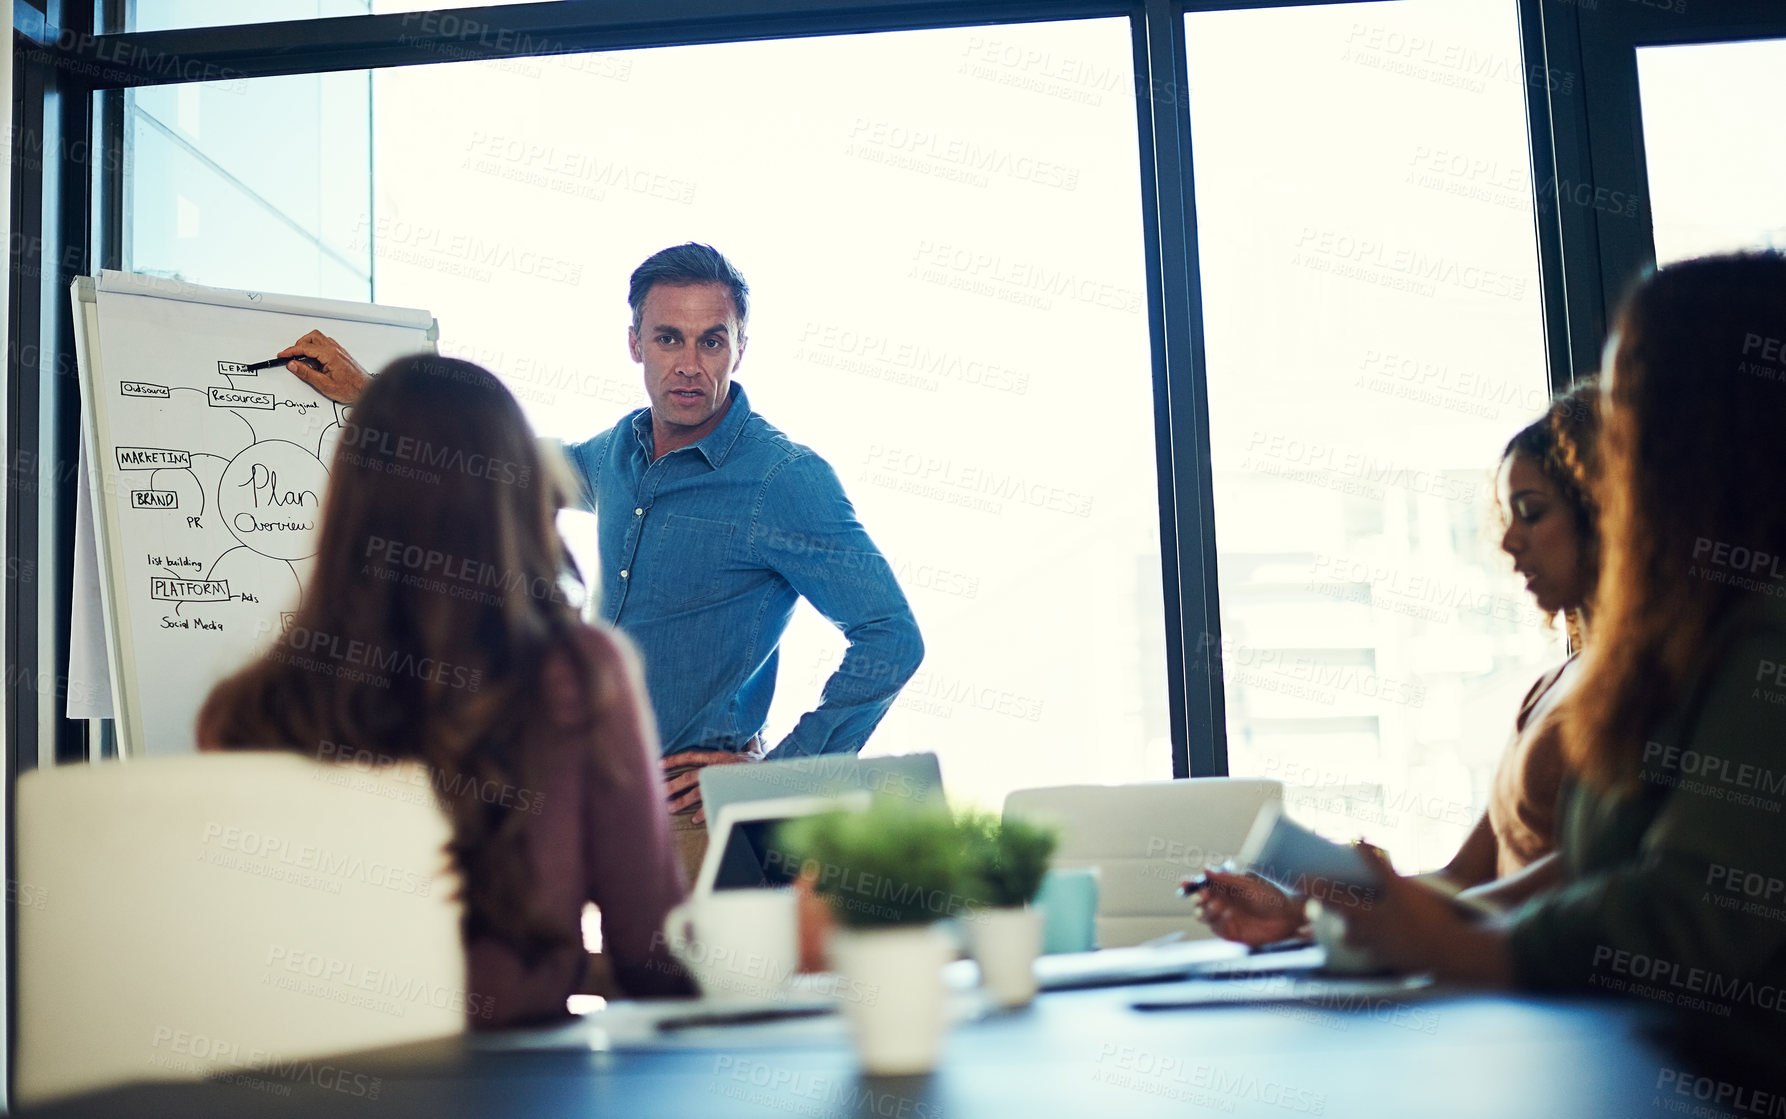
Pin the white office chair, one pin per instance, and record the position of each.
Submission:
(237, 913)
(1144, 839)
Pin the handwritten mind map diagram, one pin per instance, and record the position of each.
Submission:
(211, 481)
(251, 515)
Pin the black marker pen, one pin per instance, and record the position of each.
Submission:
(275, 362)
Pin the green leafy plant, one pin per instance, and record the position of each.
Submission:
(1006, 858)
(894, 863)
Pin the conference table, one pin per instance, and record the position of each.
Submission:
(1087, 1054)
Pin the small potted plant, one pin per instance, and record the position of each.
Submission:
(890, 874)
(1006, 859)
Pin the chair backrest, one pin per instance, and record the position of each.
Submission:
(241, 913)
(1144, 839)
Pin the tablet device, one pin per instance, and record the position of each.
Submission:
(743, 854)
(1284, 852)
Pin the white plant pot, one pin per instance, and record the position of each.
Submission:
(1006, 942)
(895, 1000)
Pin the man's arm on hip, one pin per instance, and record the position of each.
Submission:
(808, 531)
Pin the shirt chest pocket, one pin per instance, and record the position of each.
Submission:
(691, 561)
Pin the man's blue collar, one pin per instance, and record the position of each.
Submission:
(716, 444)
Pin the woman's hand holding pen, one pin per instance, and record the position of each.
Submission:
(1245, 907)
(336, 374)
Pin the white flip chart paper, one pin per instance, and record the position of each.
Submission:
(207, 480)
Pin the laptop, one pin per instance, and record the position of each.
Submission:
(743, 854)
(915, 777)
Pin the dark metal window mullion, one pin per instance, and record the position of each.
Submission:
(1554, 129)
(1187, 496)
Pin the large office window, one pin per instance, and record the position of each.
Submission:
(251, 184)
(1715, 142)
(1364, 204)
(943, 233)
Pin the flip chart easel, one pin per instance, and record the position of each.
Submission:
(206, 480)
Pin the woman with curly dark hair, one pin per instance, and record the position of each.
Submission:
(1673, 829)
(1551, 532)
(437, 628)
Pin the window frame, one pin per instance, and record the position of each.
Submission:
(71, 215)
(58, 47)
(1589, 260)
(1578, 135)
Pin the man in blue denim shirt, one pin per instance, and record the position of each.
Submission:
(713, 524)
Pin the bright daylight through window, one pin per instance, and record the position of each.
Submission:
(1370, 292)
(943, 234)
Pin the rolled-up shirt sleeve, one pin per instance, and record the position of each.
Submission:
(806, 530)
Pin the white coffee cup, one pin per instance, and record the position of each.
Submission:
(737, 944)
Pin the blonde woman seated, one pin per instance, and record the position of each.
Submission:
(1552, 535)
(438, 556)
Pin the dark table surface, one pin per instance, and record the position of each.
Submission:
(1086, 1054)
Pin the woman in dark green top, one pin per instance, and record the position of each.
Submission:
(1673, 832)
